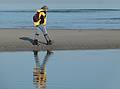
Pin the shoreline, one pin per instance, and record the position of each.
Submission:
(31, 28)
(19, 39)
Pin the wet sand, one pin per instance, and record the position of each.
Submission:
(21, 39)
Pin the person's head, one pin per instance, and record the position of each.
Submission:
(44, 8)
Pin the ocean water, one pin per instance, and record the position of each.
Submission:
(64, 19)
(90, 69)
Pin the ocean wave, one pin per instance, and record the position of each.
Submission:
(64, 10)
(106, 18)
(82, 10)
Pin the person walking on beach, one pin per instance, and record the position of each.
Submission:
(39, 21)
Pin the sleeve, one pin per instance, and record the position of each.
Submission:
(41, 19)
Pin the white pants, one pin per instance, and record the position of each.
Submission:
(43, 29)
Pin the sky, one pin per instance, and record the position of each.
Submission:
(60, 4)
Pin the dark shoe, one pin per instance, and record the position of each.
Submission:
(35, 42)
(49, 42)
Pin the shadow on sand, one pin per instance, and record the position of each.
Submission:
(30, 40)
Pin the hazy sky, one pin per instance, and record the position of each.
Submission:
(33, 4)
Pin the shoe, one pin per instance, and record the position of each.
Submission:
(49, 42)
(35, 42)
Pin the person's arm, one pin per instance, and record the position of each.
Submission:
(41, 19)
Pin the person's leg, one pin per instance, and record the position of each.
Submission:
(44, 31)
(35, 41)
(36, 33)
(46, 35)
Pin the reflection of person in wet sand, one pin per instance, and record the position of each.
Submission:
(39, 72)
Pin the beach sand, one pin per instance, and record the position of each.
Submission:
(21, 39)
